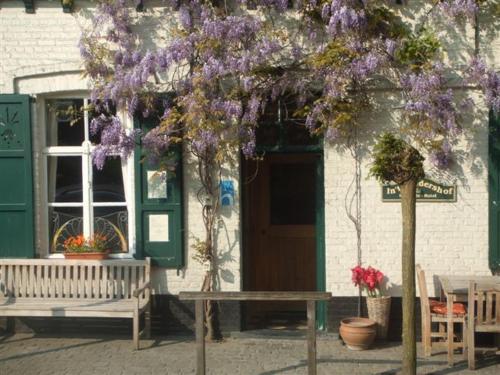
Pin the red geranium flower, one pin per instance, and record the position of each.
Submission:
(369, 278)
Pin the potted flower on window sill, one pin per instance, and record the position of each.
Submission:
(79, 247)
(379, 306)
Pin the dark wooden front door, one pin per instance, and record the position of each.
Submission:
(280, 233)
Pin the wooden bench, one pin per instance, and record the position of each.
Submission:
(309, 297)
(77, 288)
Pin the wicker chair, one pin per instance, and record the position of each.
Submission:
(430, 316)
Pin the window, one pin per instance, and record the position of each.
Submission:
(79, 198)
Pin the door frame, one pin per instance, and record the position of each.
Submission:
(321, 307)
(493, 192)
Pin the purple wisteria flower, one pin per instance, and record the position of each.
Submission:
(489, 80)
(345, 17)
(429, 99)
(204, 141)
(442, 157)
(459, 8)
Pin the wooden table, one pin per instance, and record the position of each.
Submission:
(456, 288)
(309, 297)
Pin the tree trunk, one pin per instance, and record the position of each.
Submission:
(211, 311)
(408, 208)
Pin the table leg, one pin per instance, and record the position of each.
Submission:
(311, 337)
(450, 329)
(200, 338)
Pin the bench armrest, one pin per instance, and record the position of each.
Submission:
(141, 289)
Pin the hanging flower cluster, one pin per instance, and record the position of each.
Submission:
(369, 279)
(224, 63)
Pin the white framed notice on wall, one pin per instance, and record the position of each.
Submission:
(158, 228)
(157, 184)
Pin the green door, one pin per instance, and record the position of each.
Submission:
(494, 190)
(16, 192)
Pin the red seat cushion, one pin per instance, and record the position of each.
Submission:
(438, 307)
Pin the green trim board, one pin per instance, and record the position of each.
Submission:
(494, 191)
(16, 182)
(427, 191)
(159, 213)
(321, 306)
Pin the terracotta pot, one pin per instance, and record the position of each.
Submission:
(358, 333)
(87, 256)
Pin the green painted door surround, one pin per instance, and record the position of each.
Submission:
(494, 192)
(158, 202)
(16, 181)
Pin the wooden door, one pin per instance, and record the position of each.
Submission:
(280, 209)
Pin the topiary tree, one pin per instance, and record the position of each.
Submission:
(394, 160)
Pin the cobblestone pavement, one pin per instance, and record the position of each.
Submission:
(27, 354)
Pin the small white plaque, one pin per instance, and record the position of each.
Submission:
(157, 184)
(158, 228)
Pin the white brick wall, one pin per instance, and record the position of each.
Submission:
(39, 55)
(452, 238)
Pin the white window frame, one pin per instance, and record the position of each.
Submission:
(85, 152)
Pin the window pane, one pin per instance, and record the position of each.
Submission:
(298, 135)
(108, 182)
(65, 122)
(64, 178)
(112, 222)
(293, 194)
(64, 222)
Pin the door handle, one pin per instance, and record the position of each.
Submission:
(494, 203)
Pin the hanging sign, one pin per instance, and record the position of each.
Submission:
(427, 191)
(227, 193)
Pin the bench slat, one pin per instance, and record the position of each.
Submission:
(133, 279)
(141, 279)
(10, 276)
(119, 282)
(256, 296)
(3, 280)
(24, 281)
(105, 282)
(97, 283)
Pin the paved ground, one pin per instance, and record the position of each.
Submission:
(26, 354)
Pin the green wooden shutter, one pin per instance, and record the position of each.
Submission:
(16, 182)
(494, 192)
(164, 241)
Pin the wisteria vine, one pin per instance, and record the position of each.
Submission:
(224, 63)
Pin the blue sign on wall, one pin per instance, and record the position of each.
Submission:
(227, 193)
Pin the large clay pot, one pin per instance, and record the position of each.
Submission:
(358, 333)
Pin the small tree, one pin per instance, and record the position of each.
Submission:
(394, 160)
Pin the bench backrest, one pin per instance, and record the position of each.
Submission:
(64, 278)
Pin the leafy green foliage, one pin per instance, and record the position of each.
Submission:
(335, 54)
(383, 21)
(395, 160)
(419, 50)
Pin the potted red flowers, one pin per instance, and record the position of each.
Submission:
(379, 306)
(79, 247)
